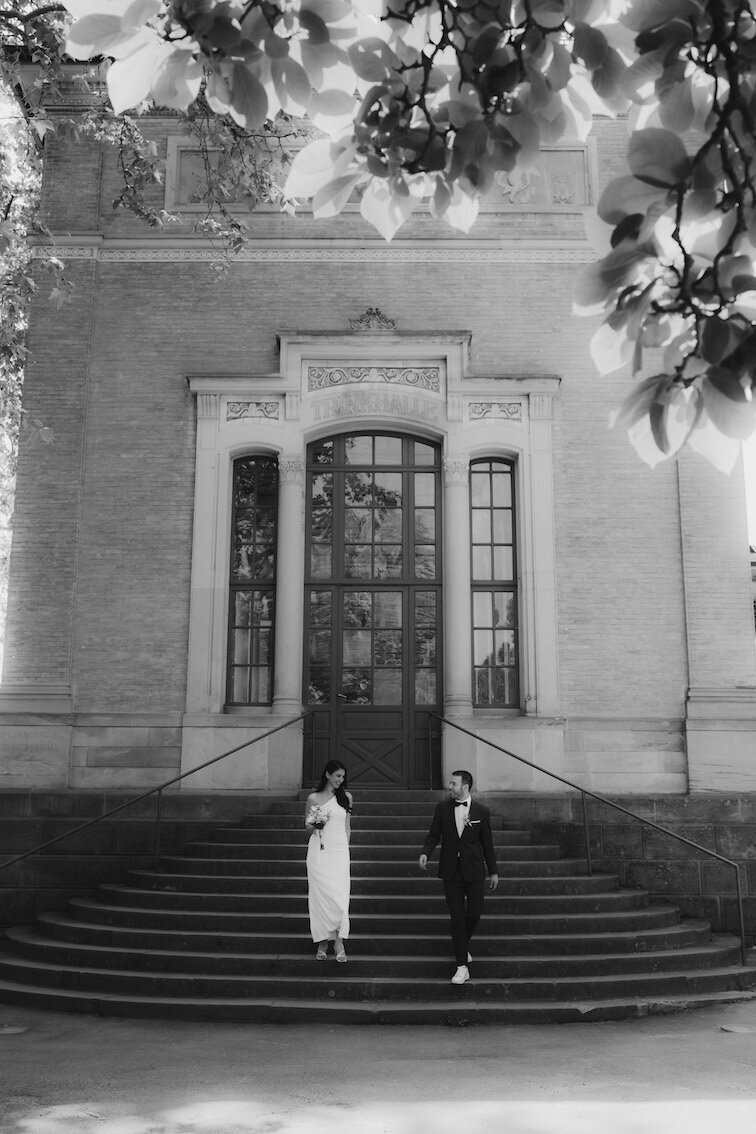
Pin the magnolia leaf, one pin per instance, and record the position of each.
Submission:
(249, 100)
(637, 83)
(462, 211)
(96, 35)
(549, 13)
(676, 109)
(598, 283)
(658, 157)
(218, 89)
(332, 103)
(589, 45)
(367, 58)
(275, 46)
(296, 82)
(177, 80)
(312, 168)
(638, 402)
(139, 13)
(314, 25)
(606, 80)
(727, 405)
(385, 209)
(610, 349)
(708, 440)
(643, 14)
(625, 196)
(331, 198)
(130, 79)
(715, 339)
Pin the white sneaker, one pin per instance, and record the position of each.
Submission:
(462, 974)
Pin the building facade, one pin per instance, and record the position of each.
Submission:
(369, 484)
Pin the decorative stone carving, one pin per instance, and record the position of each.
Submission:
(456, 470)
(236, 410)
(562, 189)
(516, 187)
(419, 377)
(208, 405)
(510, 411)
(372, 320)
(291, 470)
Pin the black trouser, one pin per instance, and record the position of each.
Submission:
(465, 903)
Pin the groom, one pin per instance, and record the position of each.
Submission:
(464, 827)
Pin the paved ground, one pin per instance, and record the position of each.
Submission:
(678, 1074)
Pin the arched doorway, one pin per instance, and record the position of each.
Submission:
(373, 595)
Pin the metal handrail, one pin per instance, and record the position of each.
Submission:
(159, 803)
(618, 807)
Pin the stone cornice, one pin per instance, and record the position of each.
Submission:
(421, 252)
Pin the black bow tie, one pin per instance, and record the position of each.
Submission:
(461, 802)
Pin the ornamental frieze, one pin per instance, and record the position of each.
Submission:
(419, 377)
(237, 410)
(508, 411)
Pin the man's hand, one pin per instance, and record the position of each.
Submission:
(493, 881)
(423, 862)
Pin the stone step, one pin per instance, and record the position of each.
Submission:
(422, 885)
(362, 836)
(388, 796)
(403, 867)
(364, 905)
(224, 921)
(373, 830)
(365, 810)
(447, 1010)
(36, 946)
(341, 985)
(65, 926)
(362, 847)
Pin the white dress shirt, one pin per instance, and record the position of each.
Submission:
(461, 813)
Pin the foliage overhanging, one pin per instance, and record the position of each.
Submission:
(427, 100)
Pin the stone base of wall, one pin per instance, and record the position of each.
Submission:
(104, 852)
(607, 755)
(671, 871)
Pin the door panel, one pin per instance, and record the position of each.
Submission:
(372, 641)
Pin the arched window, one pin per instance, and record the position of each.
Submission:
(252, 582)
(494, 584)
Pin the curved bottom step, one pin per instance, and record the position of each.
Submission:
(448, 1012)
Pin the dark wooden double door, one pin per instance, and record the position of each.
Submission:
(373, 609)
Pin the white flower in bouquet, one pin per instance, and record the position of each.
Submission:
(318, 818)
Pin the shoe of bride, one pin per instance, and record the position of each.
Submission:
(321, 953)
(340, 950)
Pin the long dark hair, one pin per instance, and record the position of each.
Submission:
(341, 796)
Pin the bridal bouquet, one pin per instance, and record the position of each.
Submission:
(318, 818)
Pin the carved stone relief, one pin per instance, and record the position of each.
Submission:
(510, 411)
(327, 375)
(373, 320)
(236, 410)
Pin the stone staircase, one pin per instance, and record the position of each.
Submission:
(221, 932)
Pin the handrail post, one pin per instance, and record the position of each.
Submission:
(312, 750)
(741, 917)
(587, 834)
(430, 752)
(158, 818)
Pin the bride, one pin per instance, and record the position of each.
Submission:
(327, 820)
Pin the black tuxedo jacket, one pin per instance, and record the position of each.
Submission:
(474, 847)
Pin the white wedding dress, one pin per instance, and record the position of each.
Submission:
(328, 876)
